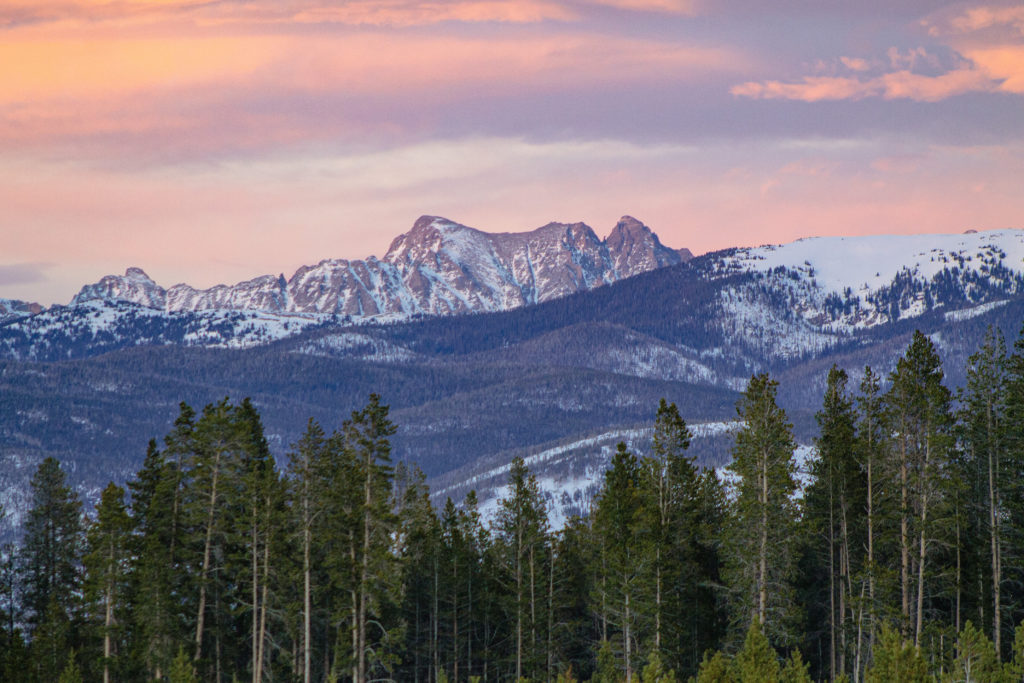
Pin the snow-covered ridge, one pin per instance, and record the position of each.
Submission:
(439, 267)
(106, 325)
(814, 293)
(869, 263)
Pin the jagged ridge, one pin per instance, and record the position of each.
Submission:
(437, 268)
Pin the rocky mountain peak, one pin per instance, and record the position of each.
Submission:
(134, 286)
(136, 273)
(634, 248)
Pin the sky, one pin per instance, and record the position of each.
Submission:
(212, 141)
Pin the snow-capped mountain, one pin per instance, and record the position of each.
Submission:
(439, 267)
(12, 309)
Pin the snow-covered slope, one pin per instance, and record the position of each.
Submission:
(98, 325)
(12, 309)
(439, 267)
(814, 293)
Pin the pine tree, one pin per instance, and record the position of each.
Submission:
(106, 574)
(918, 412)
(156, 574)
(619, 525)
(51, 549)
(756, 662)
(873, 452)
(521, 532)
(830, 506)
(305, 467)
(367, 436)
(50, 567)
(983, 429)
(896, 661)
(760, 559)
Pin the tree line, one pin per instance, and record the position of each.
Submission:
(897, 559)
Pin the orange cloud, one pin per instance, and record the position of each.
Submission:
(350, 12)
(1004, 63)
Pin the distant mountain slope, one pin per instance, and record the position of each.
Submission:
(470, 390)
(439, 267)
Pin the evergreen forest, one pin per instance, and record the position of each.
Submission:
(895, 554)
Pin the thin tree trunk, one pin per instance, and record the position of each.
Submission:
(307, 597)
(207, 546)
(519, 602)
(993, 516)
(628, 641)
(108, 623)
(904, 537)
(762, 602)
(263, 601)
(455, 616)
(831, 586)
(254, 555)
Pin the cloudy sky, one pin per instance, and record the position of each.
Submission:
(216, 140)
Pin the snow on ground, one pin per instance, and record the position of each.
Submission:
(570, 475)
(974, 312)
(868, 263)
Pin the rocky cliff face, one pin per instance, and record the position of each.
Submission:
(437, 268)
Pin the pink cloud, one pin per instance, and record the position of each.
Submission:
(975, 19)
(855, 63)
(351, 12)
(896, 85)
(194, 91)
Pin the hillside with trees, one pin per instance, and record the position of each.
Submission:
(897, 559)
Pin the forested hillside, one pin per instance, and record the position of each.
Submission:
(893, 559)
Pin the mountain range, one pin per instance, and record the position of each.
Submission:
(571, 343)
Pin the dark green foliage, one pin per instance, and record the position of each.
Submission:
(896, 660)
(760, 542)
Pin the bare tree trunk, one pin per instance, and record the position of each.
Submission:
(831, 587)
(762, 579)
(307, 590)
(871, 552)
(254, 555)
(519, 602)
(994, 533)
(923, 546)
(261, 659)
(108, 623)
(627, 637)
(455, 617)
(904, 537)
(207, 547)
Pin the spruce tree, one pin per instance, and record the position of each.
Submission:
(620, 528)
(831, 515)
(918, 414)
(521, 533)
(986, 468)
(106, 576)
(50, 566)
(760, 558)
